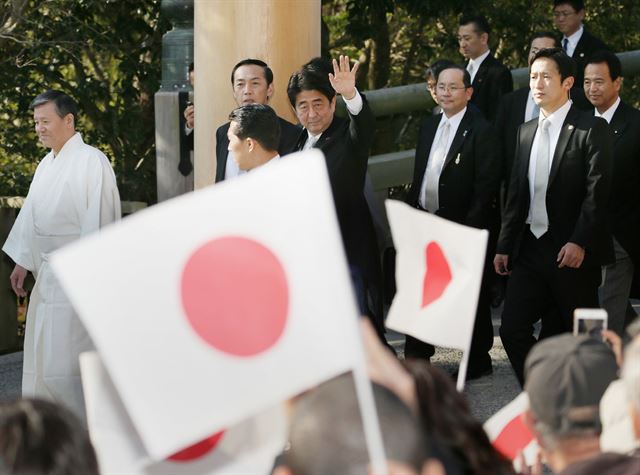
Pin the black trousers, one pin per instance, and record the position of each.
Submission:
(538, 288)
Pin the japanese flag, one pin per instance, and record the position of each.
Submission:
(439, 268)
(248, 447)
(216, 305)
(509, 434)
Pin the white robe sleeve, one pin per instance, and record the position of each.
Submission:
(103, 200)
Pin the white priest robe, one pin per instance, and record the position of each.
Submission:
(72, 194)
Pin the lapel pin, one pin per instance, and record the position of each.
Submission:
(464, 134)
(570, 127)
(615, 131)
(458, 157)
(582, 55)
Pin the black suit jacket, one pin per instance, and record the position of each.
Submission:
(346, 144)
(470, 177)
(624, 205)
(508, 119)
(577, 191)
(288, 136)
(587, 45)
(490, 83)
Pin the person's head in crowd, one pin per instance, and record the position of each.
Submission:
(252, 82)
(192, 74)
(254, 135)
(326, 435)
(603, 79)
(473, 35)
(431, 75)
(41, 437)
(551, 77)
(55, 115)
(446, 417)
(631, 378)
(568, 16)
(541, 40)
(312, 96)
(565, 378)
(453, 89)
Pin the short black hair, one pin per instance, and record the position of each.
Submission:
(191, 67)
(268, 74)
(466, 77)
(480, 23)
(577, 5)
(38, 436)
(313, 75)
(566, 65)
(434, 69)
(259, 122)
(64, 103)
(546, 34)
(612, 60)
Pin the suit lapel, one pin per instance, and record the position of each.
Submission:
(527, 133)
(464, 129)
(563, 140)
(428, 135)
(618, 122)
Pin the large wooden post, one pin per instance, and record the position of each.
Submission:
(283, 33)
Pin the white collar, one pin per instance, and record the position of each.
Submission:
(454, 120)
(478, 61)
(608, 114)
(75, 140)
(556, 119)
(574, 38)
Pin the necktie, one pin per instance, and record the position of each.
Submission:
(311, 141)
(429, 192)
(470, 69)
(539, 218)
(565, 45)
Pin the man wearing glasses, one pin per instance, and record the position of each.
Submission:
(456, 176)
(577, 42)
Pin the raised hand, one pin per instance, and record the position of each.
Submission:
(343, 79)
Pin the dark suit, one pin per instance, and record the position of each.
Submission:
(288, 136)
(490, 83)
(587, 45)
(577, 194)
(346, 144)
(467, 193)
(623, 215)
(510, 116)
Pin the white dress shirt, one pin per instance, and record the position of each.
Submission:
(608, 114)
(454, 123)
(556, 120)
(573, 41)
(474, 64)
(354, 106)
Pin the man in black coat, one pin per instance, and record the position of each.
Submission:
(553, 239)
(577, 42)
(456, 176)
(345, 143)
(489, 77)
(602, 82)
(252, 82)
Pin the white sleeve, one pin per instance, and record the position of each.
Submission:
(354, 105)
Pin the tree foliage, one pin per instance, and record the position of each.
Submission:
(106, 54)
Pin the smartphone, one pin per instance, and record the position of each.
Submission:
(589, 321)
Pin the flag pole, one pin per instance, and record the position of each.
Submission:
(462, 370)
(370, 422)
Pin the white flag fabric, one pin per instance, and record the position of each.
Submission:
(439, 267)
(238, 295)
(509, 434)
(249, 447)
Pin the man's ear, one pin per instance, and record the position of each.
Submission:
(270, 92)
(251, 144)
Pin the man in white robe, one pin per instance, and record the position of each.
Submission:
(73, 193)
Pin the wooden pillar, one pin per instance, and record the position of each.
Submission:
(283, 33)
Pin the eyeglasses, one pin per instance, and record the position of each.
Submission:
(563, 14)
(449, 88)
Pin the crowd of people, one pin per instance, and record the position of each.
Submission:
(549, 170)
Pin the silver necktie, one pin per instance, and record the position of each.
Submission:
(539, 218)
(430, 183)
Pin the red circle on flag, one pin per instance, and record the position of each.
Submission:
(198, 450)
(235, 295)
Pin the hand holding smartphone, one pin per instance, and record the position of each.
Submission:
(590, 321)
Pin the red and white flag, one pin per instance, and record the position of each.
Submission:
(248, 447)
(214, 306)
(439, 267)
(508, 432)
